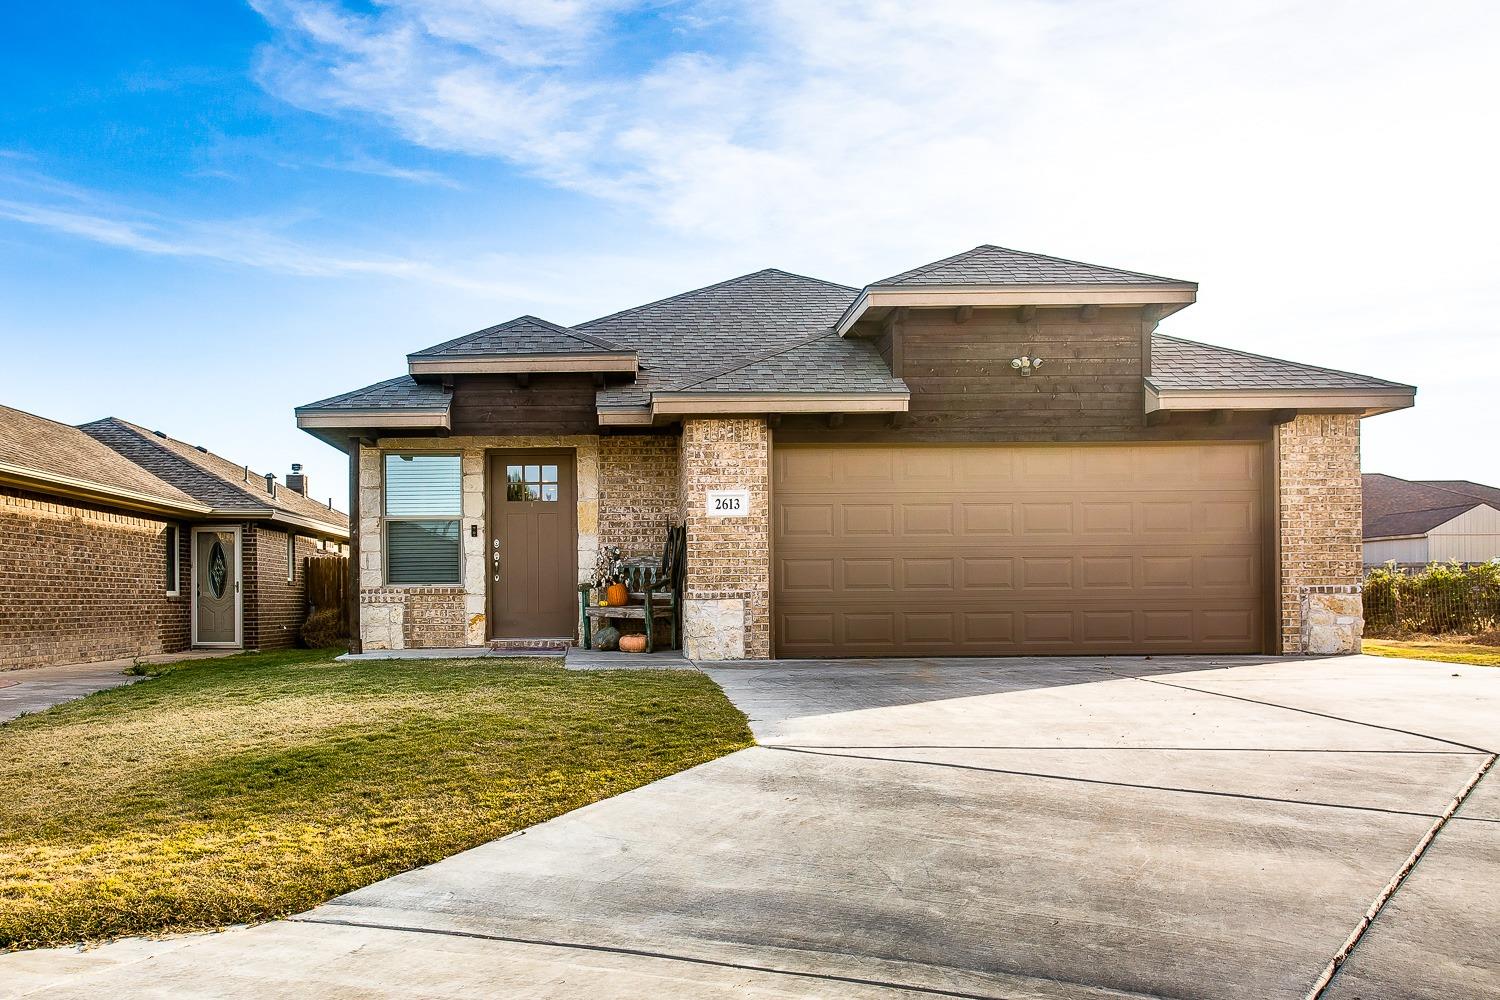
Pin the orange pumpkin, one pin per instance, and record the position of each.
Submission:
(616, 595)
(632, 643)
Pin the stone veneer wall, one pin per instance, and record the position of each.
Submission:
(638, 491)
(401, 617)
(1319, 491)
(727, 598)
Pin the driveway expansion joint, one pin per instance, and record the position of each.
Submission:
(1325, 979)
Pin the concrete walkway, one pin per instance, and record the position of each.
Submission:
(1072, 828)
(34, 689)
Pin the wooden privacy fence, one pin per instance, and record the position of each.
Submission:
(327, 585)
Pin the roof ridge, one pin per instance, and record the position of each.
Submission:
(1280, 361)
(150, 437)
(706, 288)
(752, 361)
(546, 324)
(926, 268)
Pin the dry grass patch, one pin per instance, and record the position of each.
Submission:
(1460, 651)
(251, 787)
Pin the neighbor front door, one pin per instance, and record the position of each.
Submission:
(216, 587)
(532, 551)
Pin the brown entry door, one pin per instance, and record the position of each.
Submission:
(902, 550)
(533, 545)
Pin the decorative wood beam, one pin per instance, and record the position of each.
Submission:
(1282, 416)
(962, 314)
(1153, 314)
(351, 583)
(894, 322)
(1088, 313)
(1025, 314)
(773, 421)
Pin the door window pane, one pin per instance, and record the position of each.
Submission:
(527, 483)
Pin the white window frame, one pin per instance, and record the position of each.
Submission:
(385, 541)
(291, 557)
(174, 550)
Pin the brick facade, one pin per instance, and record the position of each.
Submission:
(727, 598)
(638, 491)
(1319, 492)
(274, 606)
(92, 582)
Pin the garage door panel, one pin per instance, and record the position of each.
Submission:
(926, 550)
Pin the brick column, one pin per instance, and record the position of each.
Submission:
(1321, 539)
(726, 611)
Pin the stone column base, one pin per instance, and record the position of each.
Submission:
(714, 629)
(1333, 619)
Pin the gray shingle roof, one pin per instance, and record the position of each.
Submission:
(828, 363)
(992, 265)
(400, 392)
(1414, 522)
(1396, 506)
(707, 330)
(208, 478)
(37, 444)
(522, 335)
(1187, 364)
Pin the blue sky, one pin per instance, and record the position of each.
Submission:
(211, 212)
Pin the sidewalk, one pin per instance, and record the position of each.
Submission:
(38, 688)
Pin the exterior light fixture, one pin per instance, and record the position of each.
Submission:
(1026, 365)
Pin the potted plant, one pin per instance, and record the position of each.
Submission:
(609, 577)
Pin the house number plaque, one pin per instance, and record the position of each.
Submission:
(727, 503)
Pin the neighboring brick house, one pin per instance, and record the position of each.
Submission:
(1416, 522)
(116, 541)
(994, 453)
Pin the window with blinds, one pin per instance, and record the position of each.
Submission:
(423, 504)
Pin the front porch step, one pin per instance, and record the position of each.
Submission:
(531, 645)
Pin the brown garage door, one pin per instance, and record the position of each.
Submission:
(885, 550)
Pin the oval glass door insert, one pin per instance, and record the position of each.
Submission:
(218, 569)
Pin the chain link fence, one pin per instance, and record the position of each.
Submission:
(1441, 599)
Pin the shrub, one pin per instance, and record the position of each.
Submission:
(324, 628)
(1440, 599)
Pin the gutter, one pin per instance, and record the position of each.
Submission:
(83, 489)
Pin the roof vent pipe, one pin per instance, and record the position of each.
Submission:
(247, 473)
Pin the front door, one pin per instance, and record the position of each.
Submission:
(533, 545)
(216, 587)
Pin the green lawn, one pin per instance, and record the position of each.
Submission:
(1444, 652)
(255, 786)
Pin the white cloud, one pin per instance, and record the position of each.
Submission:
(1322, 169)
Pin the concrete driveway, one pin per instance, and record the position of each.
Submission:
(1021, 828)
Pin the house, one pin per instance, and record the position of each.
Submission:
(117, 541)
(1416, 522)
(992, 453)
